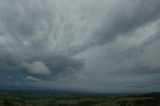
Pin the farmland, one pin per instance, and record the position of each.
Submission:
(49, 99)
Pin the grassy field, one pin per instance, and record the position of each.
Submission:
(33, 99)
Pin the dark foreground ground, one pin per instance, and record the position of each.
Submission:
(49, 99)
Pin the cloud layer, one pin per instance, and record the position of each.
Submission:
(70, 44)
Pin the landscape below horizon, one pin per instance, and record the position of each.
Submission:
(52, 98)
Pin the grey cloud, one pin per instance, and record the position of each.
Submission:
(40, 26)
(32, 78)
(41, 39)
(32, 30)
(127, 18)
(37, 67)
(130, 64)
(145, 54)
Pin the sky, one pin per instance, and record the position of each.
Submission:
(80, 45)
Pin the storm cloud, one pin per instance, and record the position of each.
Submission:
(71, 44)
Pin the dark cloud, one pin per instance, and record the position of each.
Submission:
(40, 41)
(145, 54)
(127, 18)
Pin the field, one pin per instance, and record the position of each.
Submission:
(49, 99)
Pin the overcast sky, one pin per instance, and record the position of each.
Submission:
(80, 45)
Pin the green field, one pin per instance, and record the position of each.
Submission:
(33, 99)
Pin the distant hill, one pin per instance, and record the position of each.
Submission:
(153, 94)
(65, 93)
